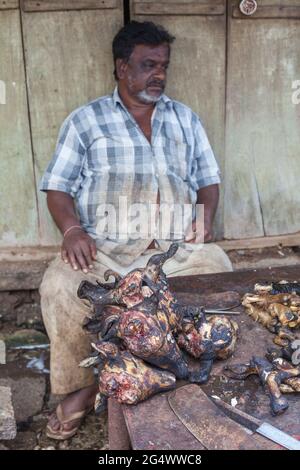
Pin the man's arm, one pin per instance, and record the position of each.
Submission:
(207, 178)
(209, 196)
(78, 248)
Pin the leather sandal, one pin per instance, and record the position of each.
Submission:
(61, 434)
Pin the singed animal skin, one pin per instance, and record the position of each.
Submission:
(141, 314)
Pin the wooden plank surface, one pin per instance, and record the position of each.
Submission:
(69, 62)
(239, 281)
(175, 8)
(208, 427)
(163, 432)
(159, 429)
(262, 130)
(197, 70)
(292, 239)
(18, 208)
(62, 5)
(117, 431)
(9, 4)
(267, 11)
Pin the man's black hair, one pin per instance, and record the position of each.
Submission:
(136, 33)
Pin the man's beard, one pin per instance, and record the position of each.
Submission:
(146, 98)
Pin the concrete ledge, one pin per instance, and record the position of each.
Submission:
(2, 352)
(28, 253)
(8, 429)
(21, 275)
(22, 268)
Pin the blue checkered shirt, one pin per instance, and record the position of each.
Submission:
(102, 154)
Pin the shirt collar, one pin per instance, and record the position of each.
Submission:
(162, 102)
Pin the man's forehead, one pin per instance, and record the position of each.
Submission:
(146, 51)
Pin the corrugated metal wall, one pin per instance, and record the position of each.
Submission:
(237, 72)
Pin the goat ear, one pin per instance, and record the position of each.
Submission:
(110, 272)
(106, 286)
(112, 331)
(156, 261)
(151, 284)
(100, 403)
(107, 299)
(172, 249)
(97, 347)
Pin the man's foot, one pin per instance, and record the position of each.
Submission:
(65, 421)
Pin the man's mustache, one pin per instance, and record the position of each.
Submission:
(157, 83)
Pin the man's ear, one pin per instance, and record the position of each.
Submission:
(121, 67)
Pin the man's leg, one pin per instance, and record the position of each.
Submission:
(192, 258)
(63, 314)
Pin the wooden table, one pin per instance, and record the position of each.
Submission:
(150, 425)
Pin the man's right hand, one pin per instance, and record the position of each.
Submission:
(79, 249)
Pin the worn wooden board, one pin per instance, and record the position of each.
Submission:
(228, 300)
(268, 11)
(186, 419)
(159, 430)
(197, 71)
(68, 62)
(9, 4)
(238, 281)
(262, 130)
(56, 5)
(162, 431)
(18, 208)
(117, 431)
(253, 339)
(209, 424)
(178, 7)
(292, 239)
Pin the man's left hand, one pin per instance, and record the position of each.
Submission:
(197, 236)
(208, 196)
(208, 232)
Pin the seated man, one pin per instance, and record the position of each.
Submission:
(136, 144)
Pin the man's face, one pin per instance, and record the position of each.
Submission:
(144, 75)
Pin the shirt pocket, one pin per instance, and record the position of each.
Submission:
(175, 158)
(113, 154)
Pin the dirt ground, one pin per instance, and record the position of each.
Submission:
(27, 373)
(264, 257)
(27, 370)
